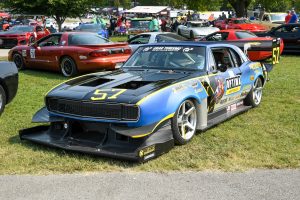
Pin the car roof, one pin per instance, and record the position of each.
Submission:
(209, 44)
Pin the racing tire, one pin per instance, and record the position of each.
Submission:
(184, 122)
(19, 61)
(31, 40)
(192, 35)
(255, 95)
(2, 99)
(68, 67)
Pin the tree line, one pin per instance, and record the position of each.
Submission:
(61, 9)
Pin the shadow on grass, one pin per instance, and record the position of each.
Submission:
(72, 154)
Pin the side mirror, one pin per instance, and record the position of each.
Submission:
(222, 67)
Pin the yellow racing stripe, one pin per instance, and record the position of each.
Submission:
(161, 121)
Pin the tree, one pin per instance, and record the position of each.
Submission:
(240, 6)
(58, 9)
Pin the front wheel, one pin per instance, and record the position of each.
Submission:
(255, 95)
(68, 67)
(19, 61)
(2, 99)
(184, 122)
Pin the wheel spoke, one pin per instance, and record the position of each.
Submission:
(189, 112)
(183, 108)
(183, 131)
(190, 126)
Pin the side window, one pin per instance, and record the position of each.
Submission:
(141, 39)
(218, 37)
(211, 62)
(284, 29)
(236, 58)
(222, 58)
(53, 40)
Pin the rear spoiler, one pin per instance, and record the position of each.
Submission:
(247, 46)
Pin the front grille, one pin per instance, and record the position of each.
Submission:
(94, 110)
(6, 42)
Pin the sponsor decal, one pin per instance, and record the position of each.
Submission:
(146, 151)
(251, 78)
(82, 57)
(255, 65)
(178, 88)
(233, 85)
(32, 53)
(24, 54)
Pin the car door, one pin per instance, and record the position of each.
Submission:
(225, 79)
(43, 54)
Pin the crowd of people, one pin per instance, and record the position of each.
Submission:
(291, 17)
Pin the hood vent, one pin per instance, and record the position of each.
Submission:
(80, 80)
(96, 82)
(133, 85)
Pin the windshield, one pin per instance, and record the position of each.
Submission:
(195, 25)
(21, 29)
(244, 35)
(90, 27)
(168, 57)
(241, 21)
(139, 24)
(278, 17)
(86, 39)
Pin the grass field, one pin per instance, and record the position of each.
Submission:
(264, 137)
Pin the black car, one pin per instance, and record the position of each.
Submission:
(290, 33)
(8, 83)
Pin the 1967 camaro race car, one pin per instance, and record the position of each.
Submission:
(161, 96)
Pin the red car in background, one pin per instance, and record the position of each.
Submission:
(22, 35)
(71, 53)
(246, 37)
(239, 23)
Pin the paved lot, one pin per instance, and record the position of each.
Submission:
(3, 52)
(257, 184)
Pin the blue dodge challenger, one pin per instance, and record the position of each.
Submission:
(161, 96)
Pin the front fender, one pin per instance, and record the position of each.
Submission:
(166, 101)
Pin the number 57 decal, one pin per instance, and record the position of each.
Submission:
(102, 94)
(275, 55)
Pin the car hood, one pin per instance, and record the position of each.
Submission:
(133, 85)
(204, 30)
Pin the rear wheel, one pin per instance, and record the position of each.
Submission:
(19, 61)
(2, 99)
(184, 122)
(255, 95)
(68, 67)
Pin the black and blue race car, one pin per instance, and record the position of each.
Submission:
(161, 96)
(8, 83)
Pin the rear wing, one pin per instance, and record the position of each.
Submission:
(267, 51)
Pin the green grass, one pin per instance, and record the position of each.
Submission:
(264, 137)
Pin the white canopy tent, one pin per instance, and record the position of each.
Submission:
(148, 9)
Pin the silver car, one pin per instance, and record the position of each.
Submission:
(153, 37)
(196, 29)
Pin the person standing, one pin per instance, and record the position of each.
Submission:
(288, 17)
(153, 25)
(294, 18)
